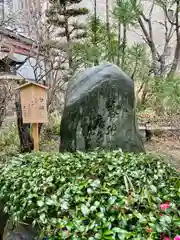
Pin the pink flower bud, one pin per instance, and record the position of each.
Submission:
(164, 206)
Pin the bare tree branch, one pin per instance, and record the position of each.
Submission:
(177, 48)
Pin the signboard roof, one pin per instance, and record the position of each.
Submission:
(32, 83)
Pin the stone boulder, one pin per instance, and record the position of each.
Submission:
(19, 232)
(100, 112)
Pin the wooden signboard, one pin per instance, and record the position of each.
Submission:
(34, 107)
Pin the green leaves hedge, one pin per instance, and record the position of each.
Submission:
(98, 195)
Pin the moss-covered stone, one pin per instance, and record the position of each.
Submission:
(99, 112)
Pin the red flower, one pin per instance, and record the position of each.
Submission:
(165, 205)
(177, 238)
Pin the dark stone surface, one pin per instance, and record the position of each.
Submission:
(99, 112)
(3, 220)
(19, 232)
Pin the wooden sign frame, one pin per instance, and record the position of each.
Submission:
(34, 107)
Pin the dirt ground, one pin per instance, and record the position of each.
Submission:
(167, 147)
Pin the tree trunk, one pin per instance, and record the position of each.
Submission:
(26, 141)
(108, 30)
(119, 43)
(2, 112)
(149, 39)
(177, 49)
(4, 98)
(68, 39)
(144, 94)
(96, 62)
(124, 41)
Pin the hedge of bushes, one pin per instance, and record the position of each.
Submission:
(98, 195)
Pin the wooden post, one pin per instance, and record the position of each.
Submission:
(35, 136)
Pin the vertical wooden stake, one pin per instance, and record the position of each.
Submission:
(35, 136)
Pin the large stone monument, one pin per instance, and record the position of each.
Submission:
(100, 112)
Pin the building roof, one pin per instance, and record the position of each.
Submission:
(6, 56)
(13, 34)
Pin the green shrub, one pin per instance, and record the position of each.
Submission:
(50, 134)
(158, 132)
(53, 127)
(98, 195)
(9, 136)
(9, 142)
